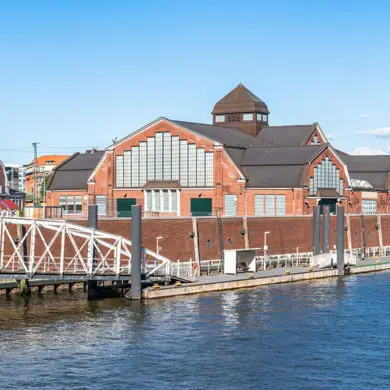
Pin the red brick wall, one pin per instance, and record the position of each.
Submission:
(286, 235)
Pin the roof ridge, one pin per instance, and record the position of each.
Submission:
(306, 124)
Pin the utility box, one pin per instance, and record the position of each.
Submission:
(239, 260)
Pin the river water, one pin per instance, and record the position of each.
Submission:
(311, 335)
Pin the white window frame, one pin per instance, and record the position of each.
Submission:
(219, 118)
(100, 211)
(160, 194)
(367, 208)
(247, 117)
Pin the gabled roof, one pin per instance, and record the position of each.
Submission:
(57, 159)
(73, 174)
(240, 100)
(296, 135)
(287, 155)
(226, 136)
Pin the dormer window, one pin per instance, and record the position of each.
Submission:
(247, 117)
(219, 118)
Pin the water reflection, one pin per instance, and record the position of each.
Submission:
(328, 333)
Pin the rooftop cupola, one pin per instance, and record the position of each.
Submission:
(241, 109)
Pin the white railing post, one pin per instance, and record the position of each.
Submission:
(2, 243)
(32, 250)
(90, 253)
(178, 268)
(62, 258)
(118, 257)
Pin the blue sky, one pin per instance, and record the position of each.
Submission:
(76, 74)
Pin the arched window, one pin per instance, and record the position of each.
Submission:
(326, 175)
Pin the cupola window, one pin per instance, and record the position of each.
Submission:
(247, 117)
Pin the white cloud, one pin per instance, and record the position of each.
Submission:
(381, 132)
(366, 150)
(331, 137)
(365, 116)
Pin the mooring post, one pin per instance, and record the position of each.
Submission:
(325, 228)
(92, 223)
(136, 226)
(316, 231)
(340, 240)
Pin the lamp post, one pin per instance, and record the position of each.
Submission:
(265, 249)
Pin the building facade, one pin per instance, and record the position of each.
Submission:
(238, 166)
(35, 185)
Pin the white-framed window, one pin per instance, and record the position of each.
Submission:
(101, 202)
(247, 117)
(368, 207)
(209, 161)
(280, 205)
(192, 165)
(71, 204)
(200, 167)
(259, 117)
(259, 205)
(127, 169)
(159, 156)
(183, 163)
(119, 171)
(150, 158)
(165, 157)
(270, 205)
(220, 118)
(265, 117)
(162, 200)
(135, 166)
(175, 158)
(142, 163)
(326, 175)
(231, 205)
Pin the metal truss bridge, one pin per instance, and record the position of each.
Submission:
(52, 249)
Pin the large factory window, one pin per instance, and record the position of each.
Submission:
(165, 157)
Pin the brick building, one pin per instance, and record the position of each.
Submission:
(239, 165)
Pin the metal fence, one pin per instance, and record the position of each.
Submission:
(189, 269)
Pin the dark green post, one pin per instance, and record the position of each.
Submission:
(340, 240)
(325, 228)
(316, 231)
(136, 226)
(92, 223)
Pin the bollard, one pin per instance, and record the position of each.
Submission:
(340, 240)
(325, 229)
(92, 223)
(316, 231)
(136, 226)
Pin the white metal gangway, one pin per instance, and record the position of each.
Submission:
(39, 248)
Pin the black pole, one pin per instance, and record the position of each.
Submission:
(93, 223)
(340, 240)
(316, 231)
(136, 226)
(325, 228)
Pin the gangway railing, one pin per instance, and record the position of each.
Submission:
(37, 247)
